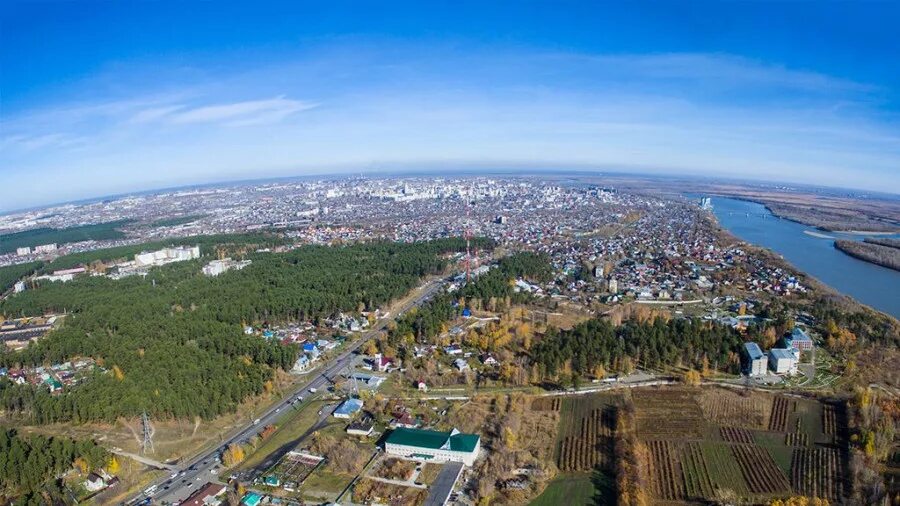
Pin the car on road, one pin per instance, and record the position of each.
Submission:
(313, 390)
(256, 422)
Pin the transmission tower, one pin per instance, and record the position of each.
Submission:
(147, 444)
(468, 236)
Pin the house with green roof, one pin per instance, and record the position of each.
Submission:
(419, 444)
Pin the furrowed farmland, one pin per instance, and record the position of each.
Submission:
(585, 433)
(703, 444)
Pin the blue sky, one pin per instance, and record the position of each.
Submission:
(109, 97)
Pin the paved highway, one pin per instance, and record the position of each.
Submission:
(180, 484)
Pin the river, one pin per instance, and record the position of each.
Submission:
(813, 252)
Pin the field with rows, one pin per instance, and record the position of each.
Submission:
(712, 442)
(585, 434)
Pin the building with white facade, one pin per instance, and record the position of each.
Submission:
(784, 361)
(166, 255)
(419, 444)
(217, 267)
(756, 362)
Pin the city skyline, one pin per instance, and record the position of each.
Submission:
(161, 97)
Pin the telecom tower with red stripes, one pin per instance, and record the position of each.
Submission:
(468, 235)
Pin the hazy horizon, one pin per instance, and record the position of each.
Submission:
(463, 172)
(118, 98)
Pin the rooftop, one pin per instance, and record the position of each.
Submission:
(349, 407)
(435, 440)
(753, 350)
(781, 353)
(799, 334)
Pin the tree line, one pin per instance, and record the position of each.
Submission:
(173, 340)
(598, 344)
(39, 236)
(10, 274)
(206, 243)
(872, 252)
(30, 466)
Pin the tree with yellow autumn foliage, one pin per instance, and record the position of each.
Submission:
(691, 378)
(233, 455)
(113, 467)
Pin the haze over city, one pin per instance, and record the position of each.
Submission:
(449, 253)
(108, 97)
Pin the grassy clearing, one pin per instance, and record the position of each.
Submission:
(291, 426)
(569, 489)
(429, 473)
(324, 485)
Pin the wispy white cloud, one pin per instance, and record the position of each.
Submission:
(41, 141)
(250, 112)
(155, 113)
(721, 69)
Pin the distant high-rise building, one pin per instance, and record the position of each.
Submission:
(705, 203)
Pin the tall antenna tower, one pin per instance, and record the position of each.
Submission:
(147, 444)
(468, 235)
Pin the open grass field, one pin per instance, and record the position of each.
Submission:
(324, 486)
(291, 426)
(571, 489)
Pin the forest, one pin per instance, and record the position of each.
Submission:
(597, 343)
(171, 344)
(10, 274)
(172, 222)
(883, 241)
(39, 236)
(206, 243)
(30, 465)
(872, 252)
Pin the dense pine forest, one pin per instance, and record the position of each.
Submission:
(206, 243)
(12, 273)
(171, 343)
(38, 236)
(30, 465)
(598, 343)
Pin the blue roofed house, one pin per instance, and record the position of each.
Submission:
(348, 408)
(251, 499)
(311, 349)
(800, 340)
(755, 362)
(301, 364)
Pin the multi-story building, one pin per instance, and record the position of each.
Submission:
(419, 444)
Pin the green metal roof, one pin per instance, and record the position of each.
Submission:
(434, 440)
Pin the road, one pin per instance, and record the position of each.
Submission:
(180, 484)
